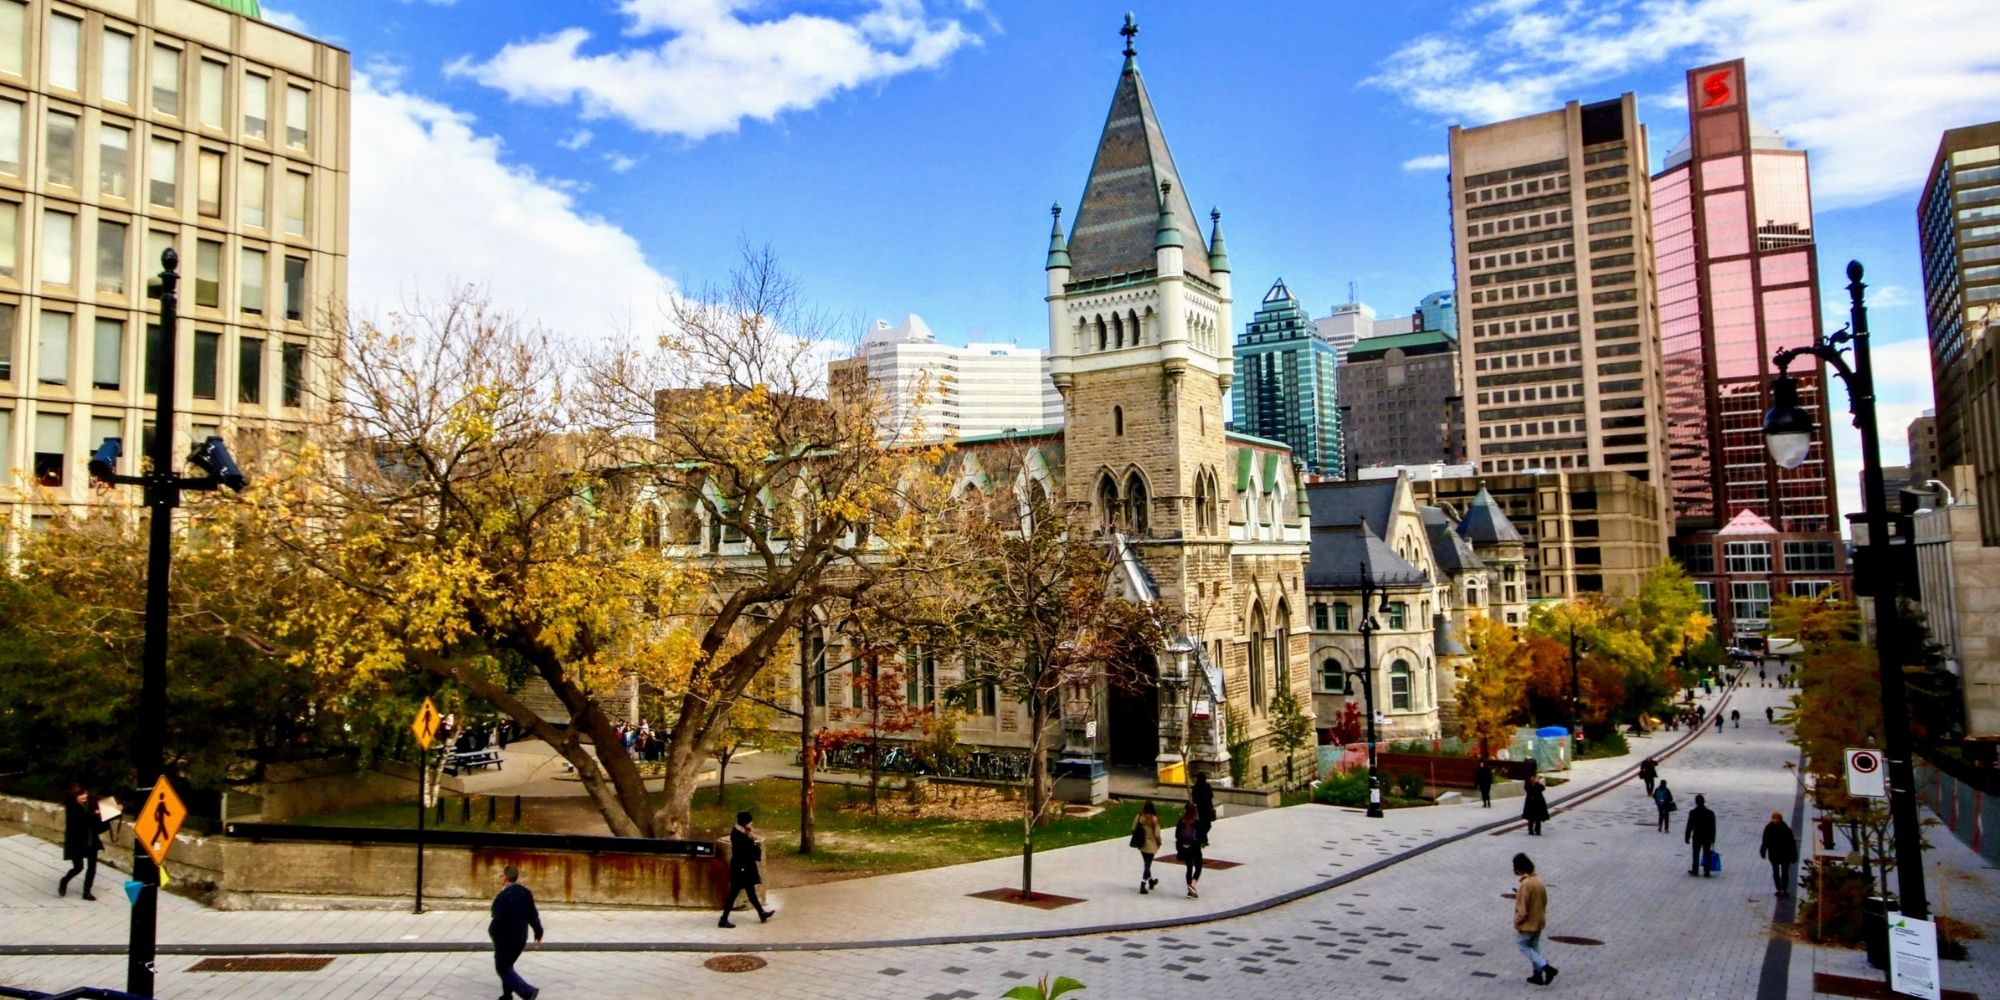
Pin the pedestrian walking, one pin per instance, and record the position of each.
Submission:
(1482, 779)
(1146, 837)
(1649, 772)
(81, 825)
(1663, 800)
(746, 849)
(1536, 809)
(1204, 804)
(1781, 849)
(1761, 679)
(1735, 719)
(1701, 834)
(514, 915)
(1770, 714)
(1719, 720)
(1187, 841)
(1531, 912)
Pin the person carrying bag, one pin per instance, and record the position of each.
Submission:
(1146, 840)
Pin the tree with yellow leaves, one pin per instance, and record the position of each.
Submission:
(1492, 686)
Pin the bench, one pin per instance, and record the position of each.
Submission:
(466, 760)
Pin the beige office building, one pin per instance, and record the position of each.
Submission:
(1559, 342)
(1582, 532)
(127, 126)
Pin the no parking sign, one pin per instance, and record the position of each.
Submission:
(1864, 774)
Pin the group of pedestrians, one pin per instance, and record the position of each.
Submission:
(1190, 836)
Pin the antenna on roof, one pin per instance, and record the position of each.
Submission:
(1351, 293)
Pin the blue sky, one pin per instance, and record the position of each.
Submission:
(583, 158)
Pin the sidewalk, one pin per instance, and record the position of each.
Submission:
(1283, 854)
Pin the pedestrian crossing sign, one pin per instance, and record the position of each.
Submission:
(425, 725)
(159, 820)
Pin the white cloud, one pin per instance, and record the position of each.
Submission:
(577, 140)
(619, 162)
(435, 205)
(1866, 86)
(284, 19)
(715, 67)
(1902, 394)
(1435, 161)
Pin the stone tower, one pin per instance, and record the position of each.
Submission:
(1139, 336)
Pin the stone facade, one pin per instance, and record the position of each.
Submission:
(1582, 532)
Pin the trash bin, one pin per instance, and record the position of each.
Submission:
(1081, 780)
(1875, 928)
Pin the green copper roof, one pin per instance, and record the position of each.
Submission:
(1218, 256)
(1058, 250)
(1168, 234)
(1420, 342)
(247, 8)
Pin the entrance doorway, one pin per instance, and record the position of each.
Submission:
(1135, 721)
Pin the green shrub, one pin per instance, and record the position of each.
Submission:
(1834, 896)
(1611, 744)
(1410, 784)
(1343, 788)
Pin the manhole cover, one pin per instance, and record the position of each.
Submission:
(276, 963)
(1573, 939)
(734, 963)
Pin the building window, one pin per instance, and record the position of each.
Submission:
(9, 312)
(1137, 509)
(257, 110)
(167, 81)
(208, 184)
(13, 37)
(298, 115)
(114, 73)
(1256, 652)
(1399, 686)
(163, 158)
(106, 427)
(857, 686)
(11, 116)
(1698, 558)
(212, 94)
(1281, 647)
(65, 52)
(295, 203)
(10, 239)
(58, 248)
(1811, 557)
(1340, 621)
(114, 162)
(1107, 503)
(1747, 557)
(1331, 678)
(157, 243)
(250, 370)
(207, 358)
(295, 288)
(208, 273)
(1808, 589)
(251, 192)
(59, 152)
(1750, 604)
(107, 355)
(1321, 622)
(150, 375)
(1706, 590)
(919, 677)
(1204, 504)
(250, 282)
(1118, 420)
(111, 239)
(51, 448)
(1398, 613)
(52, 349)
(815, 653)
(295, 374)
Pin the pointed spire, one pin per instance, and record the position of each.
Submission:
(1169, 232)
(1218, 257)
(1131, 33)
(1058, 250)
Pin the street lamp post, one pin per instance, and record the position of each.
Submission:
(1367, 628)
(1788, 432)
(1576, 647)
(162, 489)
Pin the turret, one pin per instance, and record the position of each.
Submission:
(1218, 271)
(1061, 346)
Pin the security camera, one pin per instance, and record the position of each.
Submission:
(104, 461)
(212, 456)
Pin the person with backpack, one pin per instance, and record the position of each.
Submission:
(1701, 834)
(1187, 841)
(1663, 800)
(1146, 838)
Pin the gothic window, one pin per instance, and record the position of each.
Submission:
(1399, 686)
(1279, 643)
(1257, 657)
(1132, 324)
(1101, 342)
(1118, 420)
(1136, 513)
(1117, 330)
(1204, 504)
(1107, 502)
(1039, 505)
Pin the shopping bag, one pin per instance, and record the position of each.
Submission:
(1714, 861)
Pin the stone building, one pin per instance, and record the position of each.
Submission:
(1580, 532)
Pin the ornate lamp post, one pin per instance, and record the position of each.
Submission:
(1788, 433)
(1576, 648)
(1367, 628)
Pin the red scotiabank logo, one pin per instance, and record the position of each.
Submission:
(1716, 86)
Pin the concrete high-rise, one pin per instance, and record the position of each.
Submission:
(1924, 448)
(1285, 382)
(1733, 236)
(934, 391)
(126, 127)
(1958, 224)
(1558, 338)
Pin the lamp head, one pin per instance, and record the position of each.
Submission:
(1347, 689)
(104, 461)
(212, 456)
(1788, 429)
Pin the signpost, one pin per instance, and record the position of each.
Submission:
(158, 821)
(1865, 774)
(425, 726)
(1913, 962)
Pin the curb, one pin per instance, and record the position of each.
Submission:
(1568, 802)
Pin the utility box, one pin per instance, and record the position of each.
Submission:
(1082, 780)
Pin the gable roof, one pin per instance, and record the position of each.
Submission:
(1453, 553)
(1485, 523)
(1338, 504)
(1119, 216)
(1343, 556)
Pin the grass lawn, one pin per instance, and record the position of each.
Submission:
(850, 841)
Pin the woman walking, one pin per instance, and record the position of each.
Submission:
(1780, 848)
(1536, 809)
(1187, 840)
(1663, 799)
(1146, 837)
(1204, 804)
(81, 826)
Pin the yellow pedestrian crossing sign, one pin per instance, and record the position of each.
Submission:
(426, 724)
(159, 820)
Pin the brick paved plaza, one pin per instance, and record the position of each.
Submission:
(1432, 925)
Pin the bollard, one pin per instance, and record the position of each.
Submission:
(492, 807)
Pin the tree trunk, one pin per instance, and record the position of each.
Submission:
(722, 777)
(675, 818)
(1037, 772)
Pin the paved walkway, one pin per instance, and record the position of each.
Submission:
(1435, 927)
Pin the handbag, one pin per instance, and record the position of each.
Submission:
(1138, 836)
(1714, 860)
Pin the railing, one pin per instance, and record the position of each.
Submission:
(471, 838)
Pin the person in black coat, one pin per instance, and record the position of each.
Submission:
(1700, 832)
(1204, 806)
(1536, 809)
(81, 825)
(1482, 779)
(1780, 848)
(746, 848)
(514, 915)
(1187, 844)
(1649, 772)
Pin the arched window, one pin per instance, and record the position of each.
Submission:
(1132, 323)
(1399, 685)
(1100, 333)
(1332, 678)
(1117, 330)
(1257, 657)
(1471, 594)
(1039, 505)
(1107, 502)
(1118, 420)
(1280, 643)
(1137, 513)
(1204, 504)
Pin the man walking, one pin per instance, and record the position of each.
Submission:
(1770, 714)
(1735, 719)
(1780, 848)
(1531, 910)
(1649, 772)
(1700, 833)
(1482, 779)
(1663, 800)
(513, 916)
(746, 848)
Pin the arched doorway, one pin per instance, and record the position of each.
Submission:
(1134, 716)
